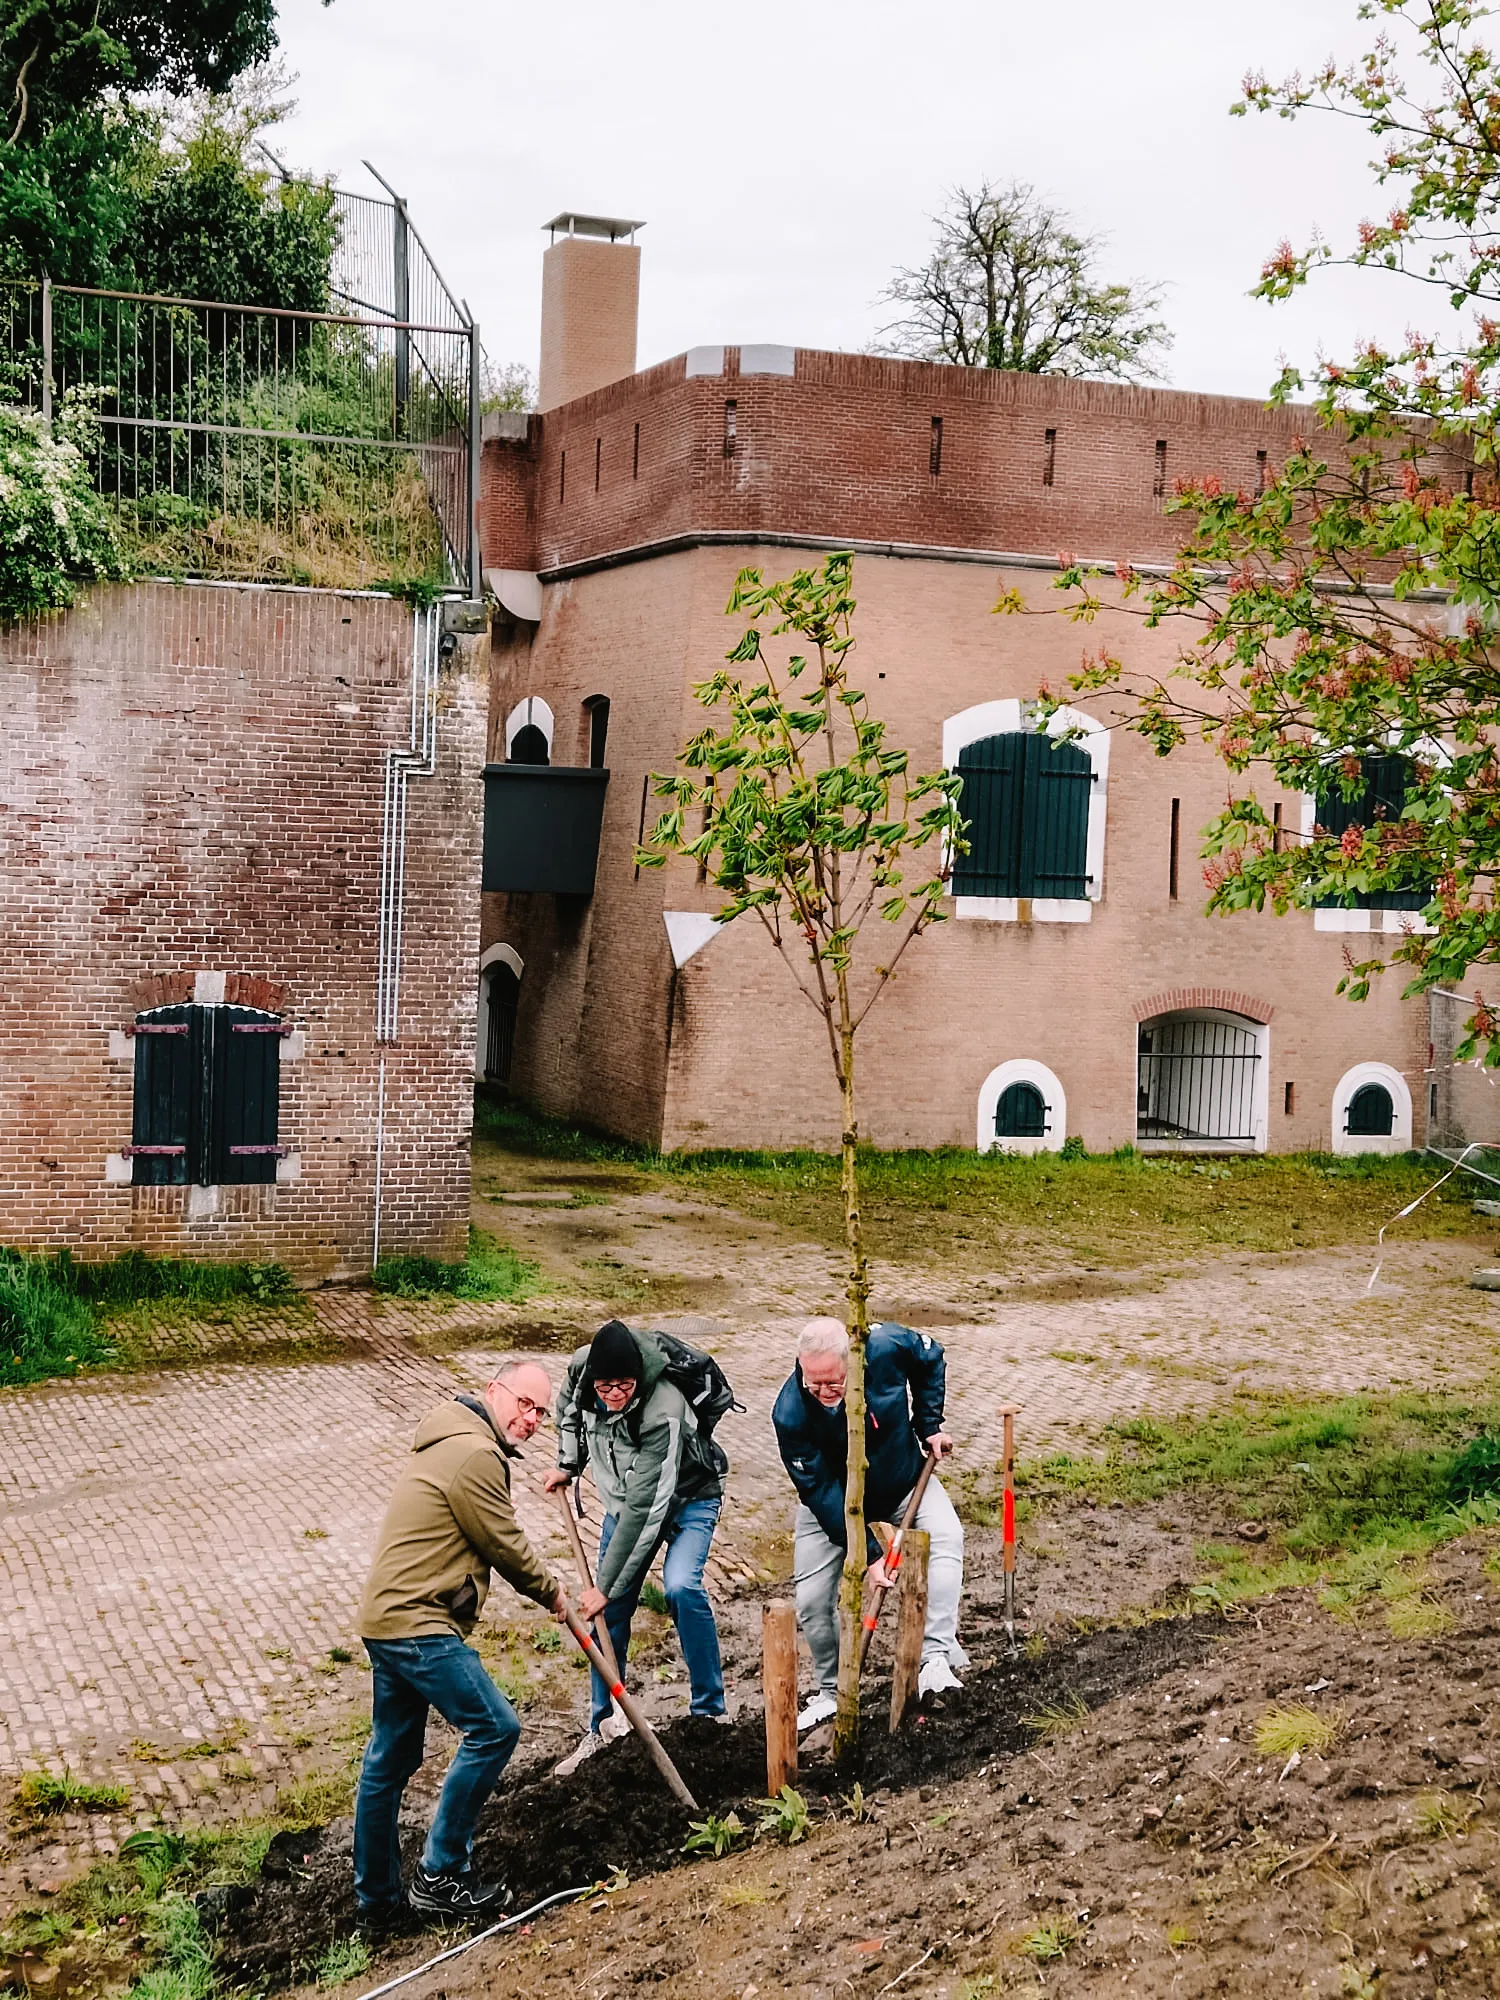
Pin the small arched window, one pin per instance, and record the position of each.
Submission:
(528, 746)
(1372, 1115)
(1021, 1113)
(596, 708)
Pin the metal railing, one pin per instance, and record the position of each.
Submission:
(245, 441)
(1196, 1081)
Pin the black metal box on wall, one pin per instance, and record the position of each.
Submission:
(541, 827)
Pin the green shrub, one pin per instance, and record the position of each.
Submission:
(55, 530)
(45, 1330)
(492, 1270)
(1475, 1471)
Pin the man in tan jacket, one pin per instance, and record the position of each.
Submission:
(450, 1522)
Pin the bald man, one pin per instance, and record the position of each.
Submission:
(450, 1522)
(905, 1384)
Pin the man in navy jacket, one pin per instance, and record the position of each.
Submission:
(904, 1386)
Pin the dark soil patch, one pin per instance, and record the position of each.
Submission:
(548, 1833)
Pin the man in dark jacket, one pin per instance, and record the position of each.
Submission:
(660, 1481)
(450, 1522)
(905, 1378)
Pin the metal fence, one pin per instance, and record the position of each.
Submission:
(242, 441)
(1196, 1082)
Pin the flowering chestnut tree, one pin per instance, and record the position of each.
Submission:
(801, 813)
(1347, 611)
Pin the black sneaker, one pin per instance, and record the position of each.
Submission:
(462, 1896)
(378, 1920)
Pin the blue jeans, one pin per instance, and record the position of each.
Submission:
(687, 1535)
(409, 1676)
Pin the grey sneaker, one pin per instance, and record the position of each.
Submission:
(591, 1745)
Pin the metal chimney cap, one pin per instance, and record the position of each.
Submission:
(611, 227)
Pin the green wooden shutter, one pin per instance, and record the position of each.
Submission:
(990, 802)
(1059, 779)
(246, 1094)
(161, 1126)
(1381, 798)
(1025, 802)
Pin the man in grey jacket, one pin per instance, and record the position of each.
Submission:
(661, 1481)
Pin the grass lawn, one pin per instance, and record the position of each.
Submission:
(1119, 1211)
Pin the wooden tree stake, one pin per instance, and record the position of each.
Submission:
(911, 1623)
(778, 1642)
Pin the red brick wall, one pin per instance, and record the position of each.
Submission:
(843, 450)
(193, 782)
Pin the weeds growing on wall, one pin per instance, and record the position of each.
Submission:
(134, 1279)
(491, 1270)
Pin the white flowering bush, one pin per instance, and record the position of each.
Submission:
(55, 530)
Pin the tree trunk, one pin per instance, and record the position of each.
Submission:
(852, 1586)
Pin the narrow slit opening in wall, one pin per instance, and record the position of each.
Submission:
(1469, 482)
(635, 455)
(640, 832)
(598, 459)
(1172, 854)
(935, 449)
(1049, 458)
(1159, 479)
(1432, 1096)
(1260, 472)
(1276, 828)
(562, 474)
(1290, 1099)
(731, 414)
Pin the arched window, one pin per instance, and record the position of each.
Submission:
(596, 709)
(1022, 1109)
(1201, 1081)
(528, 732)
(1021, 1113)
(1371, 1113)
(500, 972)
(1033, 806)
(1025, 802)
(1371, 1110)
(1381, 798)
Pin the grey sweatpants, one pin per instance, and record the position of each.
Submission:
(818, 1562)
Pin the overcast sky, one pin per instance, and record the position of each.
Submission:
(787, 155)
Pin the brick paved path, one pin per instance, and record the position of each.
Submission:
(180, 1550)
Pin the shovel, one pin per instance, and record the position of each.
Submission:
(893, 1556)
(609, 1672)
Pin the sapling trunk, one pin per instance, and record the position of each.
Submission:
(852, 1584)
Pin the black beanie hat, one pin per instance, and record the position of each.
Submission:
(614, 1355)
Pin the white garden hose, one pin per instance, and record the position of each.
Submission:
(455, 1951)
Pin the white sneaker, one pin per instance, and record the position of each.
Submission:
(821, 1708)
(936, 1677)
(591, 1745)
(615, 1725)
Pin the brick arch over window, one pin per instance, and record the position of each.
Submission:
(1180, 998)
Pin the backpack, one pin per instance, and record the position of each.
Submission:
(699, 1380)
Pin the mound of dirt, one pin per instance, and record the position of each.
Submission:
(545, 1833)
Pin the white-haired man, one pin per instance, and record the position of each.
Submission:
(905, 1379)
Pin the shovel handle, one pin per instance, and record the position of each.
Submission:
(580, 1556)
(633, 1715)
(892, 1557)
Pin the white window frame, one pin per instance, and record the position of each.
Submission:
(1010, 718)
(1353, 1143)
(994, 1087)
(535, 712)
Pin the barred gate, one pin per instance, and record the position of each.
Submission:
(1197, 1081)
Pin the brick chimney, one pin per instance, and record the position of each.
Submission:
(591, 283)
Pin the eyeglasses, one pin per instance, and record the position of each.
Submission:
(524, 1405)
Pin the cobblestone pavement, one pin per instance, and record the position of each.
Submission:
(181, 1550)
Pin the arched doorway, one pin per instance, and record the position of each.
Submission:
(1201, 1082)
(500, 972)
